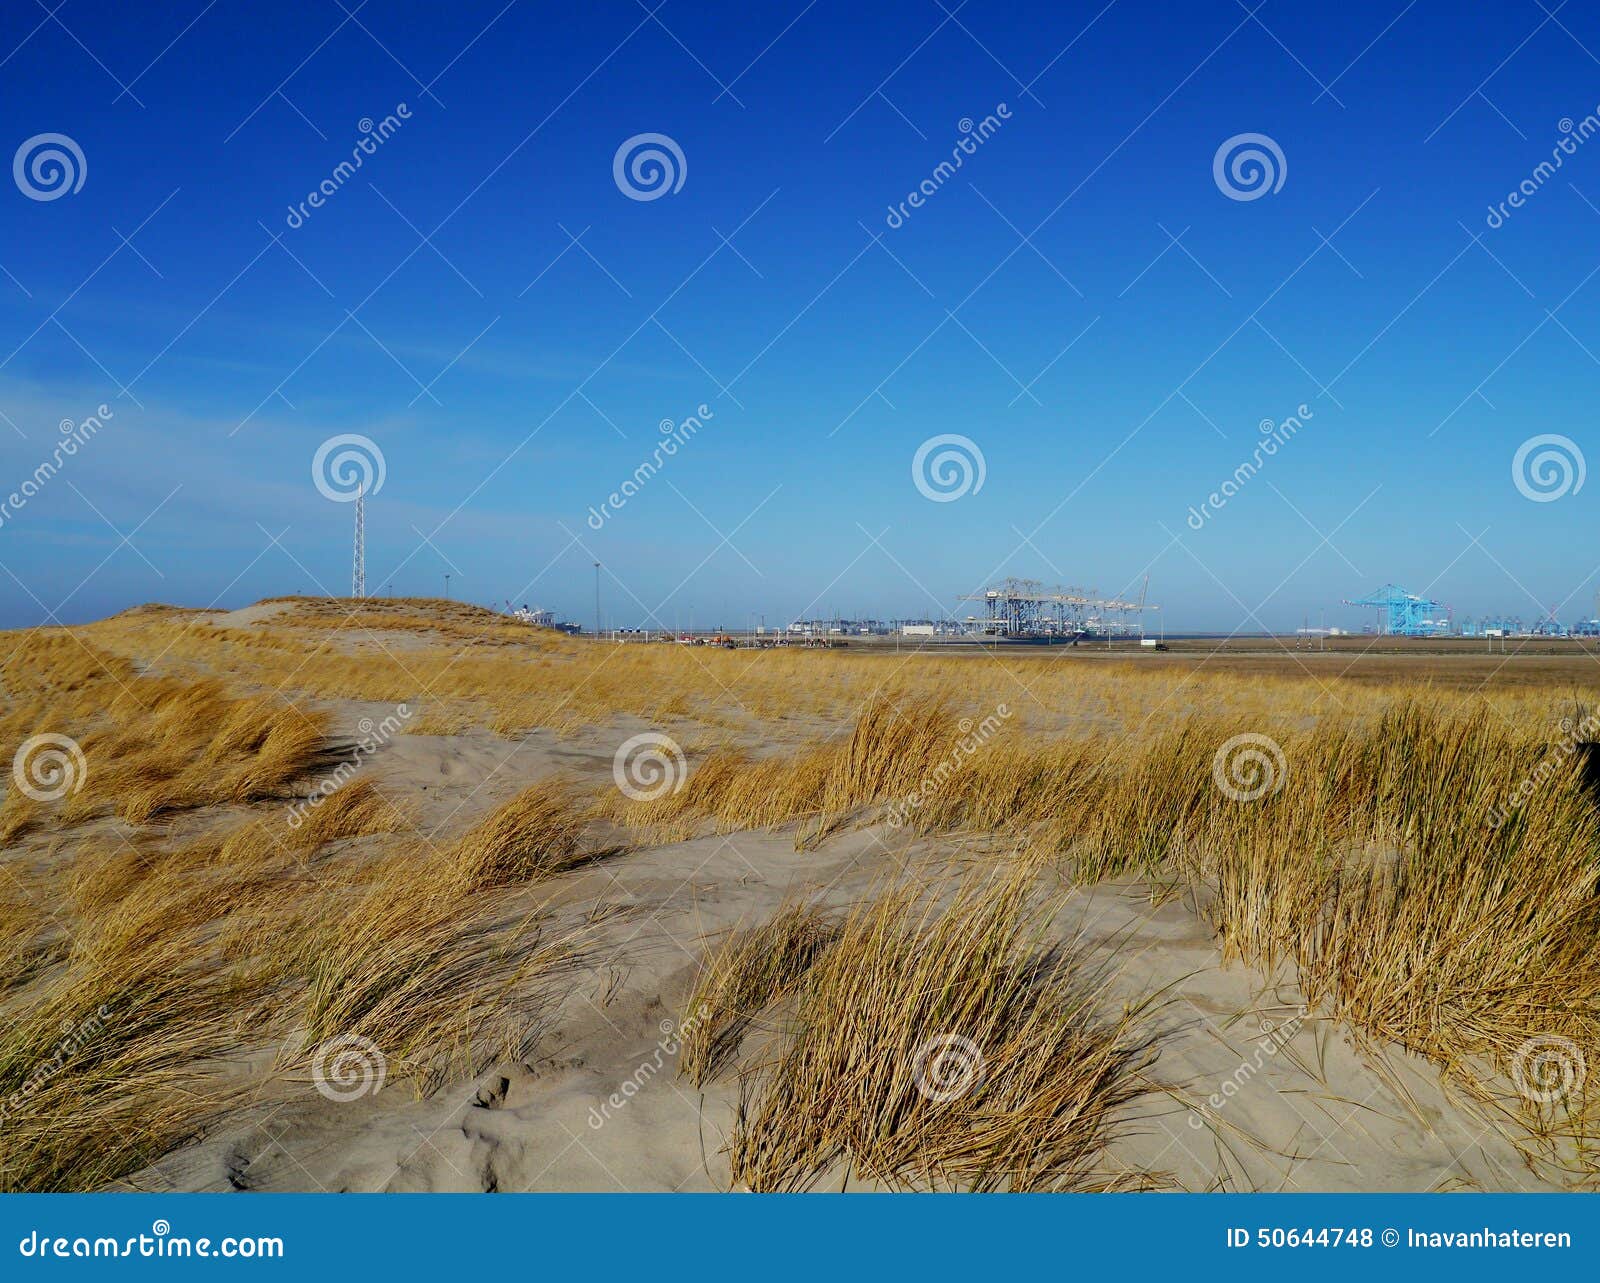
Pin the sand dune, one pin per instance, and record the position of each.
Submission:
(325, 939)
(1248, 1093)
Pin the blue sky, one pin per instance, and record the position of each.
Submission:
(1037, 304)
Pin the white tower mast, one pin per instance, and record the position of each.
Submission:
(358, 576)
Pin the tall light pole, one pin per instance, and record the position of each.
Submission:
(597, 600)
(447, 585)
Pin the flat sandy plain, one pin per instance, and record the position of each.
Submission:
(501, 950)
(1462, 663)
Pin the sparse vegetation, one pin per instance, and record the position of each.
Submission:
(146, 967)
(532, 836)
(739, 979)
(1398, 866)
(939, 1047)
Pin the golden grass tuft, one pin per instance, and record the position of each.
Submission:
(535, 834)
(1414, 898)
(893, 745)
(942, 1047)
(740, 978)
(154, 746)
(109, 1071)
(439, 989)
(355, 810)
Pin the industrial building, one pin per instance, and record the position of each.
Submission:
(1401, 613)
(1026, 610)
(1405, 614)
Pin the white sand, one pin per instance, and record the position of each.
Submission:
(1230, 1107)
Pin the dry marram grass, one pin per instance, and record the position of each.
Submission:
(943, 1047)
(1427, 861)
